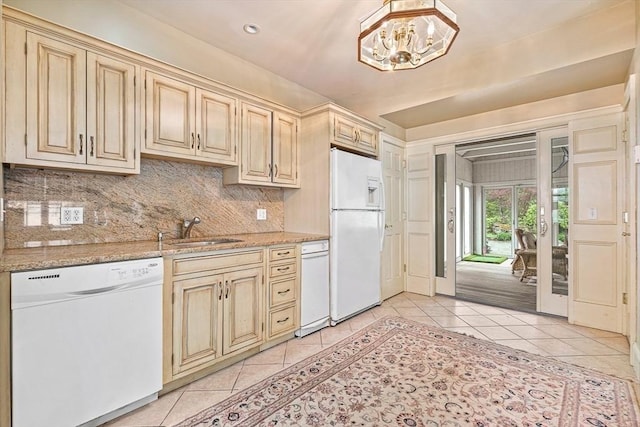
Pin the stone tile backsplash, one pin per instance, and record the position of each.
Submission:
(132, 208)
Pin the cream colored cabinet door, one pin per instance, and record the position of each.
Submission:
(243, 309)
(170, 115)
(256, 162)
(197, 317)
(56, 97)
(344, 131)
(285, 149)
(111, 112)
(367, 140)
(216, 127)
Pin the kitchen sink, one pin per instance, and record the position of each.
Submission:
(197, 243)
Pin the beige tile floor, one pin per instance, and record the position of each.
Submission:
(548, 336)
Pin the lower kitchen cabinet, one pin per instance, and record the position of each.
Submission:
(283, 289)
(216, 311)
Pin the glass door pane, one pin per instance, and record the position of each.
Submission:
(468, 221)
(559, 215)
(498, 220)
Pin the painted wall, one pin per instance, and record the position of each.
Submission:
(130, 208)
(549, 108)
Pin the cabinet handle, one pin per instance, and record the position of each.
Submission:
(284, 253)
(283, 320)
(91, 152)
(276, 170)
(220, 293)
(198, 141)
(357, 135)
(226, 293)
(270, 169)
(283, 268)
(80, 143)
(192, 140)
(283, 292)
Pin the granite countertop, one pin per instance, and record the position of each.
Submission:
(60, 256)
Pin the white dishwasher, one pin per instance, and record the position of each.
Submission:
(86, 342)
(314, 287)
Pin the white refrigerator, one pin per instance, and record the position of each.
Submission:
(357, 233)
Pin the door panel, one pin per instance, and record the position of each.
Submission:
(285, 149)
(216, 126)
(553, 187)
(56, 96)
(392, 253)
(596, 223)
(111, 112)
(256, 143)
(419, 234)
(170, 111)
(196, 322)
(242, 309)
(445, 214)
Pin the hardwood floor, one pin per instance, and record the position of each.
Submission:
(493, 284)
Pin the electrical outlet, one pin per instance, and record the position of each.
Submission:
(71, 215)
(262, 214)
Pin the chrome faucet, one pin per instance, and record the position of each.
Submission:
(187, 225)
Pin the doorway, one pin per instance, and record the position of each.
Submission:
(495, 201)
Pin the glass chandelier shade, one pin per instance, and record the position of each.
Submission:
(405, 34)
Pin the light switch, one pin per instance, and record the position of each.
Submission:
(593, 213)
(262, 214)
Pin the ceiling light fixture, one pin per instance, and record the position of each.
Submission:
(251, 28)
(405, 34)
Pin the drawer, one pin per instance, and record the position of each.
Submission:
(283, 269)
(214, 262)
(282, 252)
(283, 320)
(282, 292)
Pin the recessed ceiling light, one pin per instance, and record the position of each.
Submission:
(251, 29)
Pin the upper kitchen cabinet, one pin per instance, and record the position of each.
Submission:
(187, 122)
(268, 149)
(71, 107)
(353, 133)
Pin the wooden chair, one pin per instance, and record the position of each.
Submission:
(525, 259)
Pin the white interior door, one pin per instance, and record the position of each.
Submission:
(596, 220)
(393, 251)
(445, 224)
(553, 207)
(419, 240)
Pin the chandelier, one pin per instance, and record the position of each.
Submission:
(406, 34)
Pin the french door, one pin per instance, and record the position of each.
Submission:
(445, 224)
(553, 221)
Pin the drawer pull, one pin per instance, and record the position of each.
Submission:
(284, 253)
(283, 292)
(283, 320)
(283, 268)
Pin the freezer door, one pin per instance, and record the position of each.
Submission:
(355, 262)
(355, 182)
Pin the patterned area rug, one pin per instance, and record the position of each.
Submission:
(398, 372)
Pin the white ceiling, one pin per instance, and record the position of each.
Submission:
(508, 52)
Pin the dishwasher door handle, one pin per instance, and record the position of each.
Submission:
(97, 291)
(315, 255)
